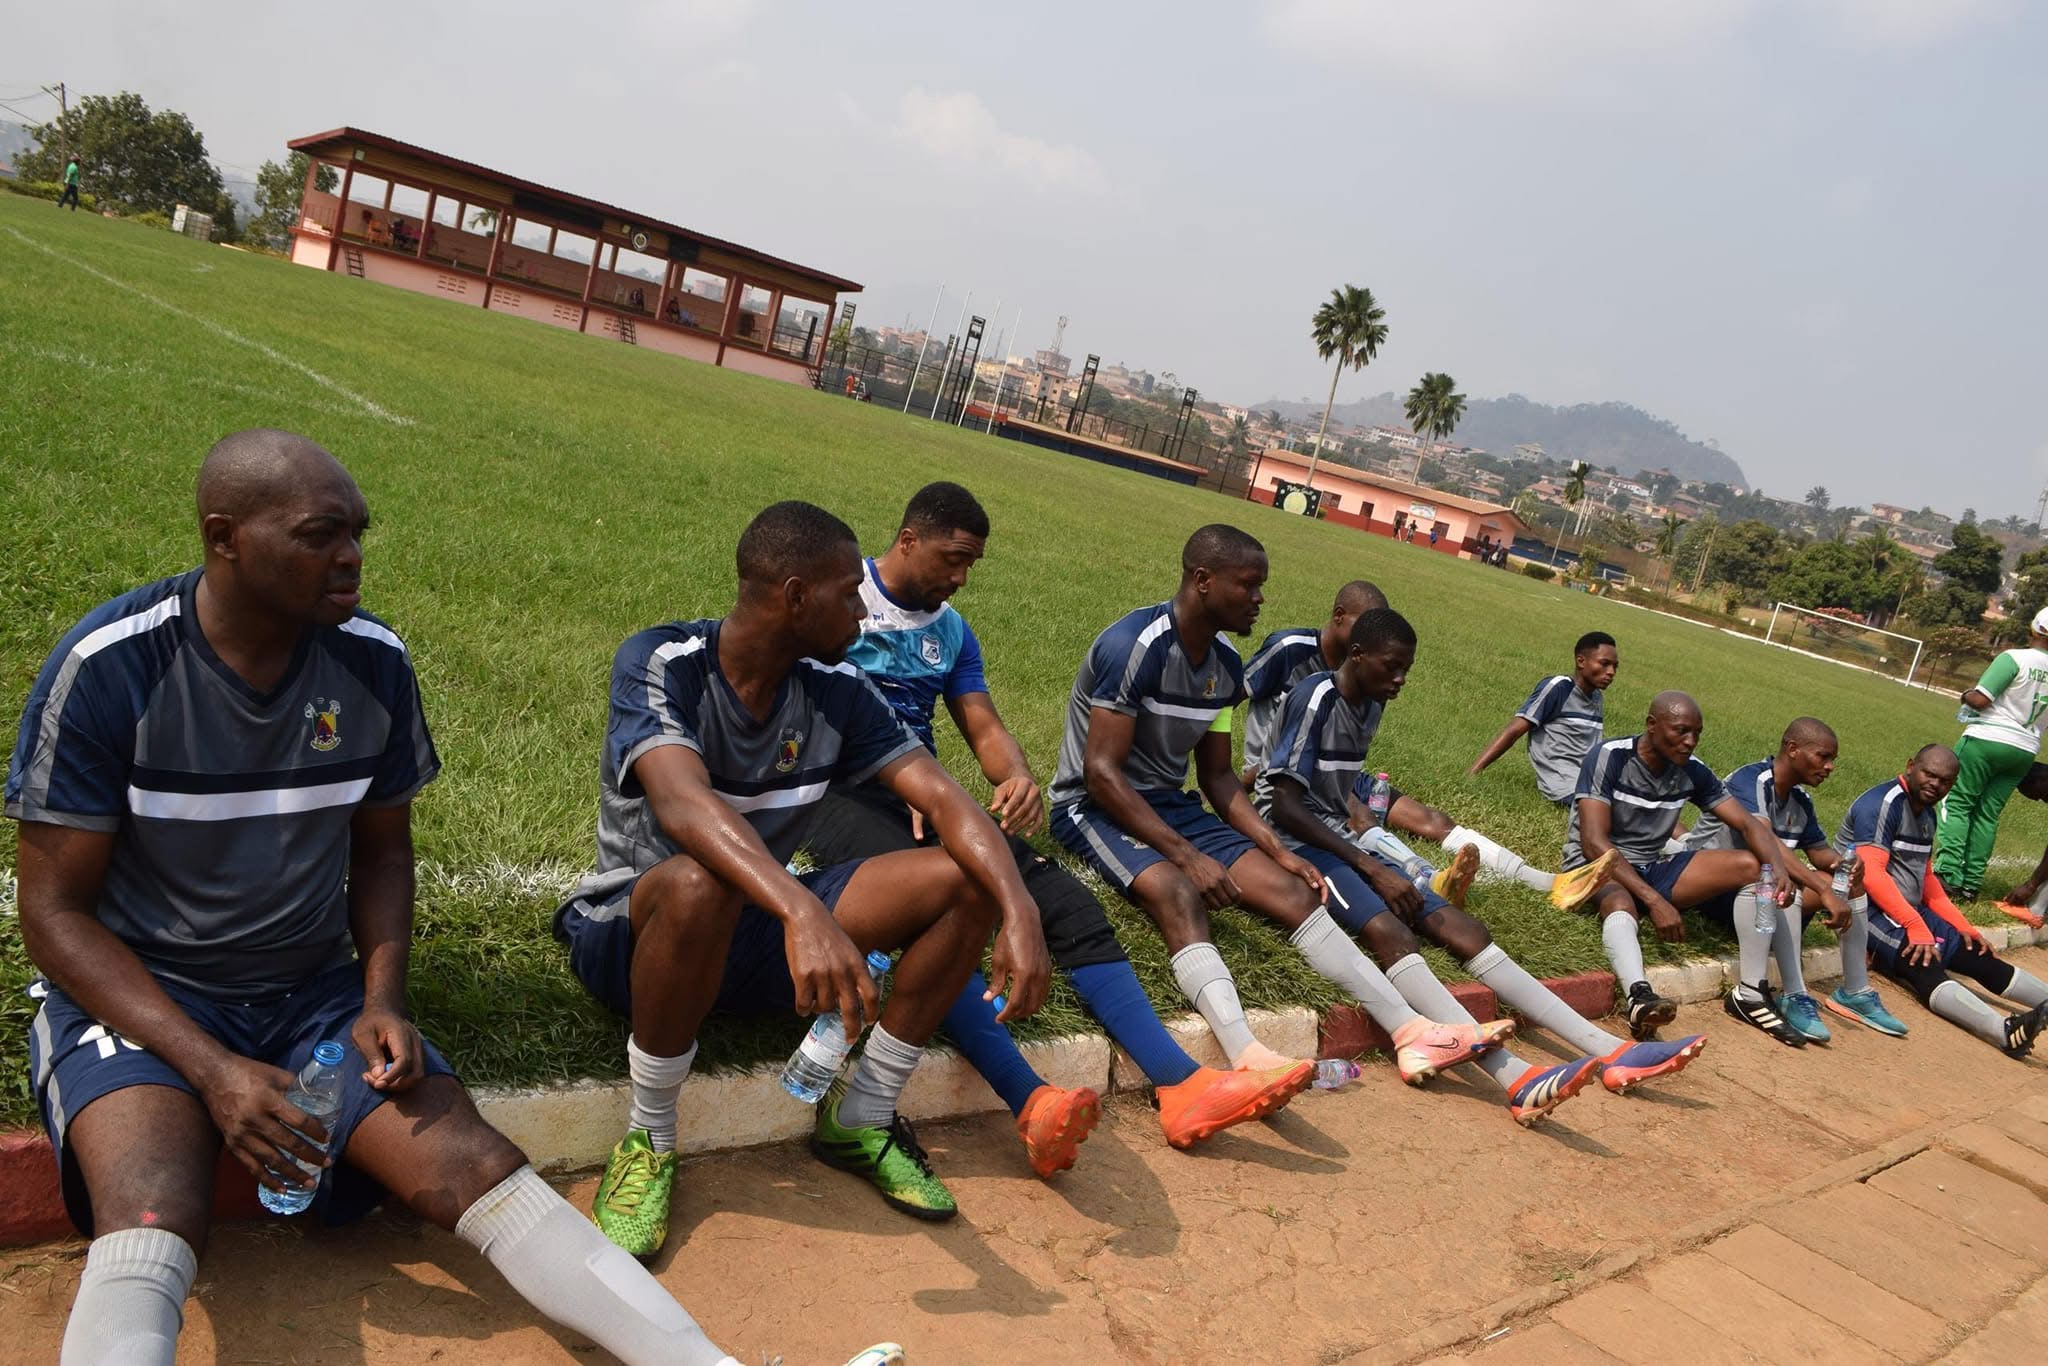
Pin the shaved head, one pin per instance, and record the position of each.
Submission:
(1218, 547)
(1808, 730)
(260, 468)
(1358, 597)
(1936, 759)
(1673, 705)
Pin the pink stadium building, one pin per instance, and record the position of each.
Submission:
(1375, 502)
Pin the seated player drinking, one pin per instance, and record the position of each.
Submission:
(1564, 718)
(723, 736)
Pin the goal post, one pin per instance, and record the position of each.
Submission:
(1841, 635)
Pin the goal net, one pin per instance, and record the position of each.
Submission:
(1839, 634)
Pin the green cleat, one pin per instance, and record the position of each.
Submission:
(631, 1208)
(888, 1157)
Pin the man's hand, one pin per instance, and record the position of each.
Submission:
(1834, 911)
(1291, 862)
(1019, 967)
(1211, 879)
(1017, 807)
(246, 1100)
(1920, 955)
(2024, 894)
(391, 1046)
(1664, 916)
(829, 973)
(1397, 891)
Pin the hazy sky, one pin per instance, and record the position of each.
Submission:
(1807, 229)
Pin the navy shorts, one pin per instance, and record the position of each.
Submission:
(75, 1060)
(1888, 940)
(756, 981)
(1663, 874)
(1352, 901)
(1086, 830)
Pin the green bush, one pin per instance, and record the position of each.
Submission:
(46, 189)
(1542, 573)
(150, 218)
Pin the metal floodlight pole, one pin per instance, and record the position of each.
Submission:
(958, 328)
(929, 325)
(1017, 326)
(961, 419)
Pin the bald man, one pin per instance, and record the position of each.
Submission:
(214, 784)
(1628, 799)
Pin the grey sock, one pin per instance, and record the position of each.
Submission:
(1856, 952)
(1331, 952)
(2025, 988)
(1206, 982)
(1433, 1000)
(1499, 860)
(1538, 1004)
(1786, 946)
(1958, 1005)
(885, 1067)
(1753, 948)
(1624, 949)
(131, 1299)
(562, 1266)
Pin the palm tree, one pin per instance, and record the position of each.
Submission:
(1668, 532)
(1240, 441)
(1350, 327)
(1575, 487)
(1879, 547)
(1433, 409)
(1817, 498)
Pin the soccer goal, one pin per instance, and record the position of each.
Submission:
(1839, 634)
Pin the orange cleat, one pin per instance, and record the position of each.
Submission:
(1423, 1048)
(1211, 1101)
(1053, 1125)
(1455, 882)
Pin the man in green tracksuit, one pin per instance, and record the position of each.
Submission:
(1997, 749)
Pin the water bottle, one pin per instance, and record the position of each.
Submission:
(1766, 900)
(1379, 840)
(817, 1060)
(1332, 1073)
(1844, 871)
(317, 1092)
(1968, 714)
(1379, 798)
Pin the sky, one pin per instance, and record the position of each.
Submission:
(1806, 230)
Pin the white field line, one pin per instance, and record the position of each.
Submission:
(218, 329)
(82, 361)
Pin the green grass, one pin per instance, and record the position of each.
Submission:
(547, 494)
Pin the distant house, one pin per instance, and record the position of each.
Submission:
(1378, 503)
(1528, 453)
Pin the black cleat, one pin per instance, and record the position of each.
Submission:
(1763, 1013)
(2022, 1029)
(1647, 1010)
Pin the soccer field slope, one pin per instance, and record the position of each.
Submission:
(537, 495)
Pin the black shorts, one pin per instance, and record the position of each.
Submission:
(868, 819)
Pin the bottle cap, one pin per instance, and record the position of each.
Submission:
(878, 962)
(327, 1054)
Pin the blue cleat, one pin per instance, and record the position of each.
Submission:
(1543, 1090)
(1865, 1008)
(1632, 1064)
(1803, 1014)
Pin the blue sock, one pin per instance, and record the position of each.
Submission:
(1111, 990)
(972, 1023)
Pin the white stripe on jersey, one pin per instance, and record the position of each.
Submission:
(235, 806)
(1633, 800)
(146, 620)
(1175, 709)
(776, 800)
(370, 630)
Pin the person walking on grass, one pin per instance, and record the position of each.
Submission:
(723, 736)
(918, 650)
(214, 783)
(70, 192)
(2006, 711)
(1917, 936)
(1564, 718)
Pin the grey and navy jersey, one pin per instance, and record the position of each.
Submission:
(829, 726)
(1322, 744)
(1755, 788)
(229, 808)
(1280, 662)
(1138, 667)
(1884, 816)
(1567, 722)
(1643, 805)
(914, 656)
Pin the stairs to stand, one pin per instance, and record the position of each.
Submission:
(627, 332)
(354, 257)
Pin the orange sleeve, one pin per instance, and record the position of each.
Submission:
(1881, 889)
(1937, 899)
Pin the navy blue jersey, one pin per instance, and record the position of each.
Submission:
(1755, 788)
(1565, 721)
(1886, 817)
(1282, 660)
(915, 657)
(1322, 745)
(1643, 804)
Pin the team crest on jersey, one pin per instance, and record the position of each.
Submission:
(787, 749)
(325, 715)
(928, 646)
(1209, 686)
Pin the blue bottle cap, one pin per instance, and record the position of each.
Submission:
(1000, 1003)
(328, 1054)
(878, 962)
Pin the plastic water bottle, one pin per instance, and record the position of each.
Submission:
(1379, 798)
(316, 1091)
(1766, 900)
(1844, 872)
(817, 1060)
(1332, 1073)
(1968, 714)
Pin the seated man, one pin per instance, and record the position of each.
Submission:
(1325, 738)
(723, 736)
(1156, 688)
(1774, 790)
(214, 781)
(1891, 830)
(1629, 797)
(1564, 718)
(917, 648)
(1287, 657)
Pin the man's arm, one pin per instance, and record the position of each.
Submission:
(1816, 875)
(2025, 893)
(1102, 767)
(380, 906)
(1596, 823)
(1997, 678)
(1500, 744)
(1016, 803)
(60, 873)
(1935, 897)
(1292, 817)
(1018, 966)
(1877, 882)
(1228, 799)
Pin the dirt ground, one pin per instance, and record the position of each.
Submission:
(1349, 1227)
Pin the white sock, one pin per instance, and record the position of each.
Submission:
(1753, 947)
(883, 1071)
(2039, 905)
(1624, 948)
(562, 1266)
(1500, 861)
(1959, 1005)
(2025, 988)
(131, 1299)
(1332, 953)
(1538, 1004)
(1856, 951)
(1786, 946)
(1384, 842)
(1206, 982)
(1432, 999)
(657, 1083)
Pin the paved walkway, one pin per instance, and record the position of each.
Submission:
(1876, 1200)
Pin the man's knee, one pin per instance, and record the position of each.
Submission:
(1388, 939)
(1176, 908)
(683, 894)
(449, 1155)
(1458, 931)
(1423, 820)
(147, 1156)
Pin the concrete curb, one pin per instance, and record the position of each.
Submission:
(1705, 979)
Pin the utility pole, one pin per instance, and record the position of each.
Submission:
(63, 114)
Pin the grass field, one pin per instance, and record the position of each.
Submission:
(538, 495)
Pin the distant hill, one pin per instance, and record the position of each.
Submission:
(14, 141)
(1615, 434)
